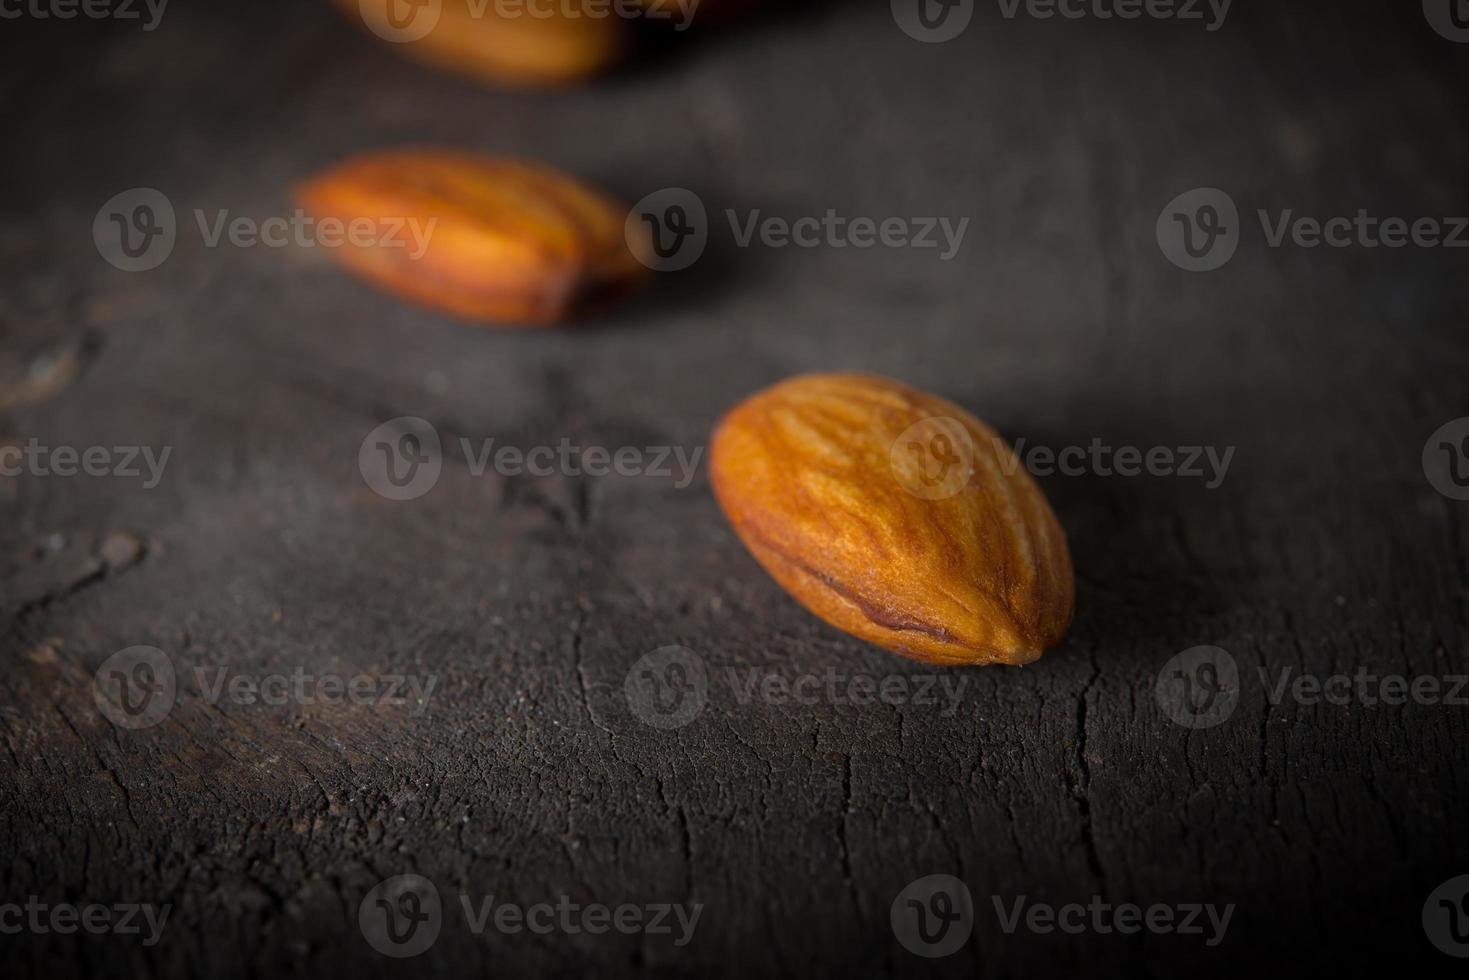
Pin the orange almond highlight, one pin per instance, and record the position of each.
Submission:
(896, 516)
(504, 241)
(505, 44)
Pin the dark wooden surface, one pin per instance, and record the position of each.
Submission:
(528, 600)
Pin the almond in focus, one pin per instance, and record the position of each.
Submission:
(897, 516)
(481, 237)
(500, 43)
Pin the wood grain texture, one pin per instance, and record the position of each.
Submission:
(526, 775)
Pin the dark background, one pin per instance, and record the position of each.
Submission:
(527, 777)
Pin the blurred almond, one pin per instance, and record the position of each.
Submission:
(515, 41)
(485, 238)
(896, 516)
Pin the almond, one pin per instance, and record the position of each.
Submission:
(503, 241)
(896, 516)
(494, 41)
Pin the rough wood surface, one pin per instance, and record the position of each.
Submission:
(526, 775)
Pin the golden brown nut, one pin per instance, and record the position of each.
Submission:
(499, 41)
(503, 241)
(897, 516)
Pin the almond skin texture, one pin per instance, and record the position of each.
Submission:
(896, 516)
(509, 46)
(506, 242)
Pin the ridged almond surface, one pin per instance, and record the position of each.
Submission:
(861, 497)
(506, 241)
(501, 43)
